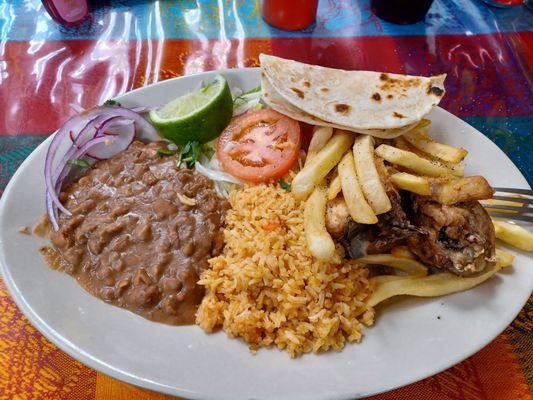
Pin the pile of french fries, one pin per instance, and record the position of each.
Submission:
(343, 163)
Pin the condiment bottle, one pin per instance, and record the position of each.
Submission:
(401, 11)
(67, 12)
(290, 15)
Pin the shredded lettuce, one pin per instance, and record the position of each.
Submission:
(208, 149)
(244, 97)
(246, 101)
(216, 174)
(223, 181)
(223, 188)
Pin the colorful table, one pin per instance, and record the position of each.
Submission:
(47, 71)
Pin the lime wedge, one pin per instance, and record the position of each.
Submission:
(197, 116)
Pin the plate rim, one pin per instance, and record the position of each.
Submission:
(99, 365)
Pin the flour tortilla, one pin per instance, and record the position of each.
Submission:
(277, 102)
(355, 100)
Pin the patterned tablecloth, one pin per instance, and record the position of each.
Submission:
(45, 69)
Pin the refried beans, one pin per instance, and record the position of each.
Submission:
(140, 233)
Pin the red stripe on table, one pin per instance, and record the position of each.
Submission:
(40, 81)
(521, 44)
(372, 53)
(487, 74)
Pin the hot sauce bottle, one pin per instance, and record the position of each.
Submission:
(290, 15)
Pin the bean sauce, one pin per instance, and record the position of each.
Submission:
(141, 233)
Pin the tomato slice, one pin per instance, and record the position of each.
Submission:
(259, 146)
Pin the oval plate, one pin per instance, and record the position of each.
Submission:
(185, 361)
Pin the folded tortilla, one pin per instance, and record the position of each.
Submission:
(277, 102)
(376, 103)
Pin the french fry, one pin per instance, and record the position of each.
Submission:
(423, 123)
(415, 163)
(403, 144)
(402, 252)
(318, 239)
(321, 135)
(325, 160)
(360, 210)
(411, 183)
(334, 187)
(514, 235)
(380, 279)
(407, 265)
(462, 189)
(373, 189)
(505, 259)
(422, 141)
(429, 286)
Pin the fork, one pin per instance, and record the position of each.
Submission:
(523, 212)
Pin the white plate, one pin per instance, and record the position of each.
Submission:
(408, 342)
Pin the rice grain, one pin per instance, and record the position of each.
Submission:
(266, 287)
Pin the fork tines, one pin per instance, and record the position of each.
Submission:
(522, 211)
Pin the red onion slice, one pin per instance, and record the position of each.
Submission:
(50, 155)
(61, 173)
(114, 144)
(76, 154)
(143, 110)
(94, 127)
(142, 123)
(100, 132)
(116, 126)
(77, 108)
(90, 130)
(51, 210)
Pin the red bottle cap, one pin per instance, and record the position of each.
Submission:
(290, 15)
